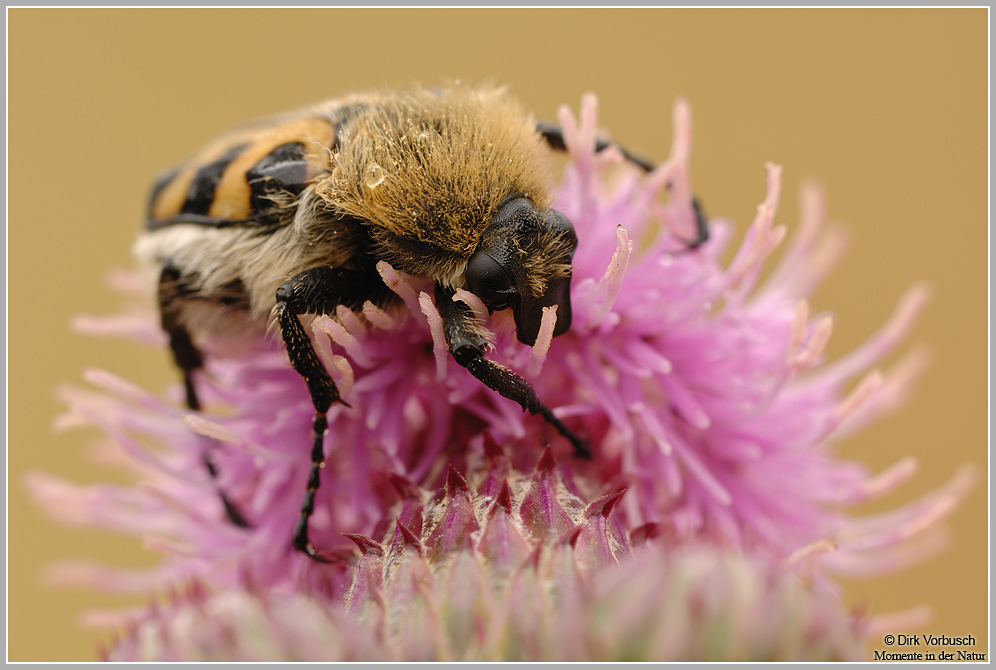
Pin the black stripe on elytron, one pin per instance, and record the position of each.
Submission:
(200, 195)
(162, 180)
(285, 169)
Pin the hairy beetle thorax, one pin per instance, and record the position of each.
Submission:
(427, 170)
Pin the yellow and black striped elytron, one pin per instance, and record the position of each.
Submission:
(287, 218)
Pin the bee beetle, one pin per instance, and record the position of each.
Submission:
(289, 217)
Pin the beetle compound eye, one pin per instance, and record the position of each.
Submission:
(489, 281)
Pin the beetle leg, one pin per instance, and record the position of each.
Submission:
(188, 358)
(316, 291)
(185, 353)
(231, 510)
(467, 342)
(554, 136)
(701, 226)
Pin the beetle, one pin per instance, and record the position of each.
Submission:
(288, 217)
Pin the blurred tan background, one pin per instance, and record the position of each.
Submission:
(888, 108)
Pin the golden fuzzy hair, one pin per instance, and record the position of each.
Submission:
(428, 169)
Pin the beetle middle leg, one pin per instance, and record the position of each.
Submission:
(466, 343)
(317, 291)
(172, 294)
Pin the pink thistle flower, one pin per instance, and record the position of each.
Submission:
(704, 394)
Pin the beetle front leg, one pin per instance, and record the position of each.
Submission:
(466, 343)
(315, 291)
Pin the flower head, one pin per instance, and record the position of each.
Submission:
(704, 395)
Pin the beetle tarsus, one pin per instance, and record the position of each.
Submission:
(466, 342)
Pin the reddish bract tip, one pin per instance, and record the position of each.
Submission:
(455, 483)
(641, 534)
(366, 545)
(503, 500)
(547, 463)
(603, 506)
(405, 488)
(492, 450)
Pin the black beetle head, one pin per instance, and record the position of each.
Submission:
(524, 262)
